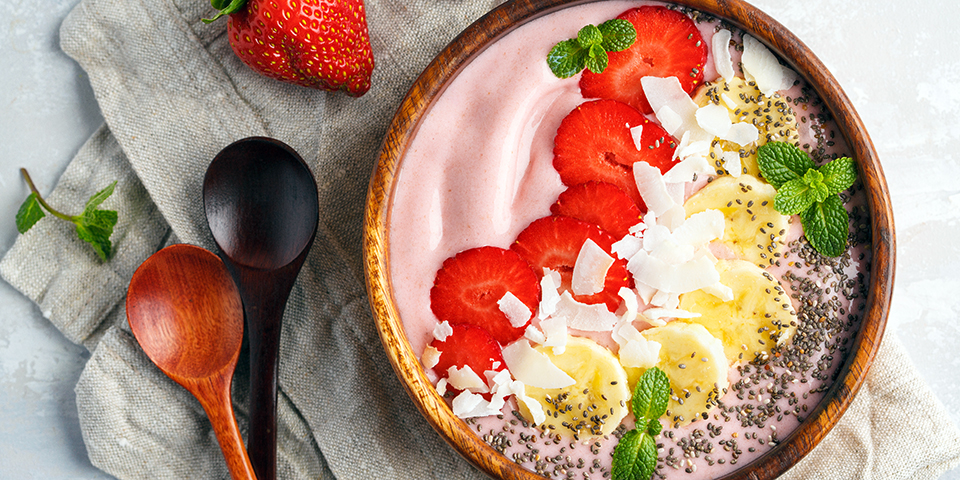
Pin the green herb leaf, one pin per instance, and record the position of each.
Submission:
(589, 36)
(651, 395)
(654, 427)
(618, 34)
(814, 180)
(839, 174)
(95, 228)
(589, 49)
(781, 162)
(635, 457)
(825, 225)
(225, 7)
(793, 197)
(597, 59)
(567, 58)
(29, 214)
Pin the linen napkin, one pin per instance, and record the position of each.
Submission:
(173, 94)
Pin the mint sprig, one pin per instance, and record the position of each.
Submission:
(635, 456)
(94, 225)
(589, 49)
(811, 192)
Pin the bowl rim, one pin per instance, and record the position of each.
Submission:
(430, 85)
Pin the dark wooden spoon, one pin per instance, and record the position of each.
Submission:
(262, 207)
(185, 311)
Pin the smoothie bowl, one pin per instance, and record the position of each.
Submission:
(673, 263)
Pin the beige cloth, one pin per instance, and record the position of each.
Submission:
(173, 95)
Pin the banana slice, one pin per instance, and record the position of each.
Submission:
(592, 407)
(759, 317)
(754, 230)
(774, 118)
(696, 365)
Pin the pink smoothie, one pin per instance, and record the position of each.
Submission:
(479, 170)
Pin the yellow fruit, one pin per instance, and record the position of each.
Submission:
(695, 363)
(759, 317)
(592, 407)
(754, 230)
(773, 117)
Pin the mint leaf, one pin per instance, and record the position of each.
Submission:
(29, 214)
(839, 174)
(597, 59)
(825, 225)
(814, 181)
(567, 58)
(781, 162)
(651, 395)
(635, 457)
(618, 34)
(589, 36)
(589, 49)
(794, 197)
(94, 226)
(654, 427)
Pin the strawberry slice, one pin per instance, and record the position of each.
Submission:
(554, 242)
(470, 284)
(468, 346)
(668, 45)
(602, 204)
(594, 143)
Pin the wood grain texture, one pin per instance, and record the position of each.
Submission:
(186, 313)
(453, 58)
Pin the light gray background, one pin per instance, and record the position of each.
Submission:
(896, 60)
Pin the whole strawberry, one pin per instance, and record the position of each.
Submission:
(320, 44)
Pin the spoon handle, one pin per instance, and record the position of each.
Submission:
(220, 412)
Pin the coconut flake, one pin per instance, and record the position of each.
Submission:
(667, 92)
(670, 120)
(534, 334)
(442, 331)
(627, 246)
(536, 410)
(652, 188)
(731, 163)
(729, 102)
(720, 291)
(631, 304)
(689, 166)
(430, 357)
(590, 269)
(762, 65)
(466, 379)
(640, 353)
(469, 405)
(721, 53)
(549, 293)
(635, 133)
(534, 368)
(442, 386)
(555, 333)
(742, 133)
(515, 310)
(714, 119)
(680, 278)
(584, 316)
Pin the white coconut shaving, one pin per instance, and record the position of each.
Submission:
(555, 334)
(515, 310)
(742, 133)
(721, 53)
(635, 133)
(762, 65)
(585, 316)
(534, 368)
(466, 379)
(549, 293)
(442, 331)
(731, 163)
(667, 92)
(430, 357)
(652, 188)
(590, 269)
(714, 119)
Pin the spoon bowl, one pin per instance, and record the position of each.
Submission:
(261, 204)
(185, 312)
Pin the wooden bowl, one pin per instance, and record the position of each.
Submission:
(431, 84)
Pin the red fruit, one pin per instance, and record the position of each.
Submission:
(470, 346)
(668, 45)
(469, 285)
(320, 44)
(554, 242)
(594, 143)
(602, 204)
